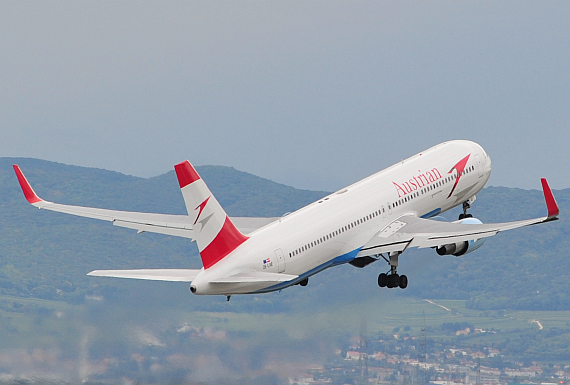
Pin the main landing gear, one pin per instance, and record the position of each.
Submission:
(392, 279)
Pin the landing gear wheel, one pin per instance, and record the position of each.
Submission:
(461, 216)
(403, 282)
(393, 280)
(383, 280)
(304, 282)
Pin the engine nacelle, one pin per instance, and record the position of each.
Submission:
(461, 248)
(456, 249)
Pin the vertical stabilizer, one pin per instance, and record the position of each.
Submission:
(214, 232)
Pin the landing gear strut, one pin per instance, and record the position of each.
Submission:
(392, 279)
(467, 206)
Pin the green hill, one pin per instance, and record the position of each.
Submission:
(526, 268)
(46, 255)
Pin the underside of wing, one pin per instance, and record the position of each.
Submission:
(418, 232)
(173, 275)
(411, 231)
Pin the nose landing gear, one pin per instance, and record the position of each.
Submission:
(392, 279)
(467, 206)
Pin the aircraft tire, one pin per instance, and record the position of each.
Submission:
(382, 280)
(304, 282)
(403, 282)
(393, 280)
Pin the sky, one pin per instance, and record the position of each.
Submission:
(315, 94)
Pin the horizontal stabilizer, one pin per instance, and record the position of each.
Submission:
(256, 277)
(173, 275)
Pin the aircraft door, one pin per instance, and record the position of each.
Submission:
(479, 165)
(280, 260)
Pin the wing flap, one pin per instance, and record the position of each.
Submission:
(172, 275)
(376, 246)
(155, 228)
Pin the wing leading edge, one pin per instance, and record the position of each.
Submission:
(173, 275)
(411, 231)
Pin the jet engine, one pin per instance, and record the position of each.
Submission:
(461, 248)
(456, 249)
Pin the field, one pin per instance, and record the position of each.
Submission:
(45, 320)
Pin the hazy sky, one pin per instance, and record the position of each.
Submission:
(312, 94)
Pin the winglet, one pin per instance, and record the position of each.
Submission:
(29, 192)
(551, 204)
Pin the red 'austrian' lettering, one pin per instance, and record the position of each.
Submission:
(417, 182)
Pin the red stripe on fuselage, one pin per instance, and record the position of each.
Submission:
(186, 173)
(227, 240)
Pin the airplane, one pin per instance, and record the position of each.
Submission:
(376, 218)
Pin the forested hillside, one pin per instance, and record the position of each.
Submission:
(526, 268)
(46, 254)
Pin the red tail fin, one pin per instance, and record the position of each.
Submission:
(214, 232)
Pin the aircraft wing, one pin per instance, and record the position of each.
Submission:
(173, 275)
(175, 225)
(411, 231)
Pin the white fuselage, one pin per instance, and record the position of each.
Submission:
(332, 230)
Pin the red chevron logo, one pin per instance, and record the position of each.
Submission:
(459, 167)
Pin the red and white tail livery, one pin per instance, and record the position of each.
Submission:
(377, 218)
(214, 232)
